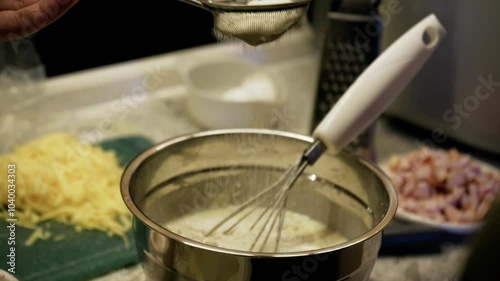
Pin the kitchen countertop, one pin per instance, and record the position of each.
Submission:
(296, 66)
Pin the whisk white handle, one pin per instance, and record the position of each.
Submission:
(378, 86)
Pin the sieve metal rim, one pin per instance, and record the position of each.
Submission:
(225, 6)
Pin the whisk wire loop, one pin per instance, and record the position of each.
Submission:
(274, 199)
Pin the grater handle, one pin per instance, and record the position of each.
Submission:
(377, 87)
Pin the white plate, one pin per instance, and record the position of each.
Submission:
(454, 228)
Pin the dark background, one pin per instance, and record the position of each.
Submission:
(95, 33)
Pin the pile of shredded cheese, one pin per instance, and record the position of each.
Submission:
(59, 178)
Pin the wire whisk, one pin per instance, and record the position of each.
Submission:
(274, 199)
(358, 108)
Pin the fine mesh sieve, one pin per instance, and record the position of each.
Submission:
(254, 22)
(255, 28)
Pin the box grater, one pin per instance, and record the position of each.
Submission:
(351, 43)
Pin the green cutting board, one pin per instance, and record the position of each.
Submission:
(80, 256)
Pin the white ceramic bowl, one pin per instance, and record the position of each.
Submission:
(231, 93)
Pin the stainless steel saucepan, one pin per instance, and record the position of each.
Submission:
(188, 173)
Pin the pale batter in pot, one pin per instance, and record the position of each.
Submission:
(300, 232)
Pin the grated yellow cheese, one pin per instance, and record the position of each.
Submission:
(59, 237)
(62, 179)
(39, 233)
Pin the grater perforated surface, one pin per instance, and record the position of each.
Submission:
(340, 68)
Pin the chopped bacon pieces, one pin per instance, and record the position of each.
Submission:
(444, 185)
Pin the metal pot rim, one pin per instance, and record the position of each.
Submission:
(136, 162)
